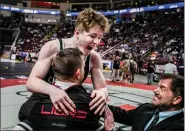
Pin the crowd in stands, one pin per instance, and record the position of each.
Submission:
(159, 32)
(31, 35)
(10, 22)
(157, 36)
(160, 35)
(121, 5)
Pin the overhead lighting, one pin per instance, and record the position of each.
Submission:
(67, 1)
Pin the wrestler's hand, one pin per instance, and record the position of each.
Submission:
(99, 101)
(61, 101)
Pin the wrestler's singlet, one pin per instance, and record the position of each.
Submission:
(50, 75)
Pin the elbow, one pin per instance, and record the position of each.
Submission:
(29, 85)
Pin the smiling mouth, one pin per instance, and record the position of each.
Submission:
(155, 98)
(89, 48)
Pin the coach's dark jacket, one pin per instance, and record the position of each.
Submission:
(139, 117)
(38, 110)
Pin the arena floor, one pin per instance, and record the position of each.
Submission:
(13, 91)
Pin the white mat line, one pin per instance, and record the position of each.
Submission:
(10, 105)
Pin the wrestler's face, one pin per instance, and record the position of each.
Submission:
(163, 96)
(89, 40)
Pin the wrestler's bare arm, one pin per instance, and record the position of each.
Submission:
(100, 93)
(41, 68)
(35, 83)
(97, 72)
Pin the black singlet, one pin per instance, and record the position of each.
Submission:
(50, 75)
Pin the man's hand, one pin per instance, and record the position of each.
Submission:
(61, 101)
(99, 101)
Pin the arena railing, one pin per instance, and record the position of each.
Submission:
(13, 45)
(110, 49)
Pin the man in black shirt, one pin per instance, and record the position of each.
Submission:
(68, 67)
(116, 68)
(150, 72)
(140, 65)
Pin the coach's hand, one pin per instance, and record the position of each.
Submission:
(99, 101)
(61, 101)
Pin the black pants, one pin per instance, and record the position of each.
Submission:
(132, 77)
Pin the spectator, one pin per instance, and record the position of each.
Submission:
(140, 65)
(170, 68)
(116, 68)
(165, 113)
(150, 72)
(133, 69)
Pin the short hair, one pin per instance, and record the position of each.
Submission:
(177, 85)
(88, 18)
(66, 62)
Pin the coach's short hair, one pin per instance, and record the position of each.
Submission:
(66, 62)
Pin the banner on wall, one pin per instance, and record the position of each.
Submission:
(136, 10)
(107, 13)
(107, 65)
